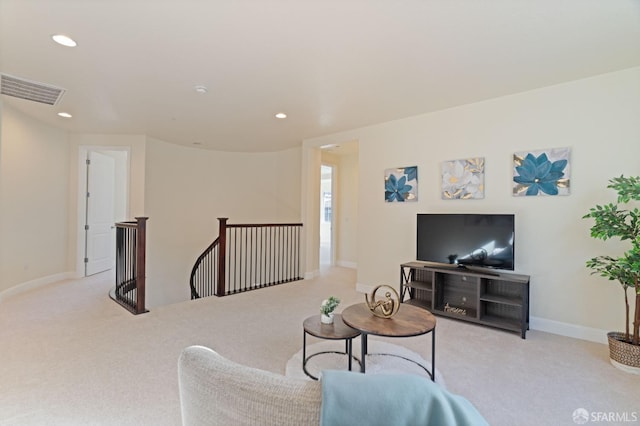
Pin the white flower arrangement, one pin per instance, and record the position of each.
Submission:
(329, 305)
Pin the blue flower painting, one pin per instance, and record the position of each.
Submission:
(401, 184)
(541, 172)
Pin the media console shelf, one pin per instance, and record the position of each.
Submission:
(496, 299)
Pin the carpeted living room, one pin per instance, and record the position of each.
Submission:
(89, 361)
(483, 111)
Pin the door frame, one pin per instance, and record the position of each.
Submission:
(83, 152)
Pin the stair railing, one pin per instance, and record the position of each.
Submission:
(131, 265)
(247, 257)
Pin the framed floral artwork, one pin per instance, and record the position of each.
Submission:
(543, 172)
(463, 179)
(401, 184)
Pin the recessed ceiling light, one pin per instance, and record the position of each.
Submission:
(65, 114)
(200, 89)
(64, 40)
(281, 115)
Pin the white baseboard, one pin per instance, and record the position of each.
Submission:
(39, 282)
(311, 274)
(568, 330)
(346, 264)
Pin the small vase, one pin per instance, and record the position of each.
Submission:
(326, 319)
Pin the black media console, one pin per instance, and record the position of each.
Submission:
(496, 299)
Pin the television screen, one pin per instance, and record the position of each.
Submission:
(482, 240)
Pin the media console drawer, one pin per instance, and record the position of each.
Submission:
(489, 298)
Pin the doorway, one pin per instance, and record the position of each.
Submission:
(102, 201)
(327, 214)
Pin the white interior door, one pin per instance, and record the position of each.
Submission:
(100, 230)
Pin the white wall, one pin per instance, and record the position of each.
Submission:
(34, 194)
(596, 117)
(187, 189)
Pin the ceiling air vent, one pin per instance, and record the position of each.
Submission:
(30, 90)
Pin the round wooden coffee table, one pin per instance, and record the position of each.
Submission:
(336, 331)
(408, 321)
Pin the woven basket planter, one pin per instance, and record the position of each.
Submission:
(623, 355)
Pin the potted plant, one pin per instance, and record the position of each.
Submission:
(326, 309)
(612, 221)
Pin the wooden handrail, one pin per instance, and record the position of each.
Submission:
(131, 248)
(248, 256)
(193, 279)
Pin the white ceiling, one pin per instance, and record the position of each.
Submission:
(331, 65)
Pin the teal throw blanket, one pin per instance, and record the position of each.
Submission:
(355, 399)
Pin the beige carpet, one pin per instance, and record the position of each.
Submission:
(71, 356)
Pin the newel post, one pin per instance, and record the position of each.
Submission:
(222, 251)
(141, 260)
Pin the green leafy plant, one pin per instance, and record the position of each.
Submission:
(614, 220)
(329, 305)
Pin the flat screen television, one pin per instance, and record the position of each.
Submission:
(467, 240)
